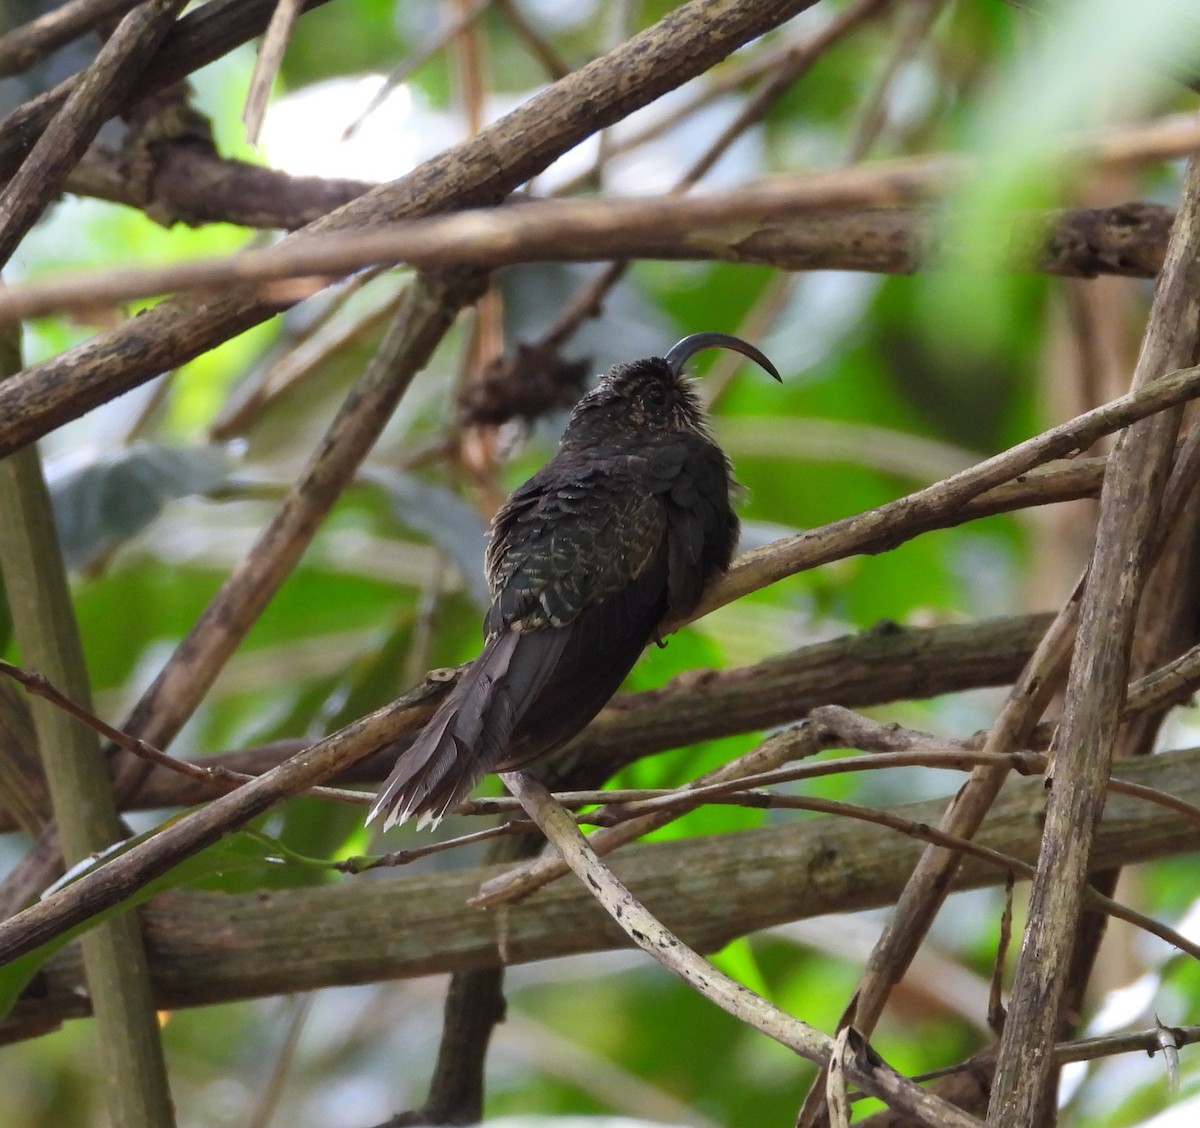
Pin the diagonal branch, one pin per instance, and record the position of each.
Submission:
(1129, 508)
(431, 308)
(863, 1068)
(201, 37)
(774, 562)
(481, 170)
(266, 67)
(95, 98)
(28, 44)
(141, 863)
(219, 947)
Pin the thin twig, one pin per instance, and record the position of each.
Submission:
(967, 847)
(267, 64)
(1126, 530)
(535, 44)
(268, 1098)
(864, 1069)
(927, 887)
(1092, 1049)
(308, 354)
(995, 995)
(768, 306)
(914, 20)
(213, 775)
(141, 863)
(362, 863)
(417, 59)
(97, 96)
(765, 566)
(25, 46)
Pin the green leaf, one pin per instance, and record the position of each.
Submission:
(244, 851)
(104, 502)
(737, 959)
(444, 517)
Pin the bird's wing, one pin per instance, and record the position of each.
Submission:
(601, 646)
(593, 565)
(577, 567)
(566, 542)
(702, 529)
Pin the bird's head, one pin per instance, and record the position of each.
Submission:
(652, 396)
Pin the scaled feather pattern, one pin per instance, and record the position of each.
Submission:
(621, 530)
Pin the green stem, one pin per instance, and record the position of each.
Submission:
(80, 792)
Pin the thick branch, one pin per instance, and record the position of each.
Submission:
(481, 170)
(209, 948)
(1129, 506)
(192, 185)
(118, 981)
(887, 664)
(201, 37)
(93, 99)
(751, 224)
(26, 45)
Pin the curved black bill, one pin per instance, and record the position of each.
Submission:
(682, 351)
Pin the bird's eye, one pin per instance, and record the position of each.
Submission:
(655, 395)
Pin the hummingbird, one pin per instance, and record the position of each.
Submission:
(619, 533)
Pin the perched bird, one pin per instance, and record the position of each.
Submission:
(620, 531)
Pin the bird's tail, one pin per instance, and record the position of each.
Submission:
(469, 733)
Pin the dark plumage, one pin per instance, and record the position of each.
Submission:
(618, 532)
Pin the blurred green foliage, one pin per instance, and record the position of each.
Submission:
(965, 357)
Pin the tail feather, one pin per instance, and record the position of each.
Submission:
(419, 770)
(604, 643)
(468, 734)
